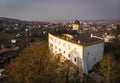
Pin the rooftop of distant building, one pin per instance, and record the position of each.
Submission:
(4, 50)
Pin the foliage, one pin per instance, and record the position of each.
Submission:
(5, 36)
(68, 72)
(109, 68)
(33, 65)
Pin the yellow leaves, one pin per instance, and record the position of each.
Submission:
(33, 64)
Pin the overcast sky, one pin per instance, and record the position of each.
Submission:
(46, 10)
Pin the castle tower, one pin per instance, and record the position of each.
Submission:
(75, 25)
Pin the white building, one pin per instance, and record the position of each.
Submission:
(81, 49)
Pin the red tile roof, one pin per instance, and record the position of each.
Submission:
(4, 50)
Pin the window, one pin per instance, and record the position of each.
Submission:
(75, 59)
(55, 40)
(69, 55)
(59, 49)
(68, 46)
(51, 46)
(64, 52)
(55, 51)
(55, 47)
(64, 44)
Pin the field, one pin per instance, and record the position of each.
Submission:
(5, 36)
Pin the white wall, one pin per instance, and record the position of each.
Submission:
(93, 54)
(87, 56)
(75, 51)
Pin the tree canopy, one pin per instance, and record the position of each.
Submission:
(109, 68)
(33, 65)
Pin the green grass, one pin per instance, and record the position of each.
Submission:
(5, 36)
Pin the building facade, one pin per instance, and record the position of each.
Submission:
(72, 48)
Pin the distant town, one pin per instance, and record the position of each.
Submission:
(84, 43)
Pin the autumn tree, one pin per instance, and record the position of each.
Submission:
(109, 68)
(34, 65)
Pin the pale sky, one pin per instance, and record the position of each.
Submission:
(46, 10)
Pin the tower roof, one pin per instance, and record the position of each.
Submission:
(76, 22)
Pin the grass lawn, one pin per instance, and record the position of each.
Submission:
(5, 36)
